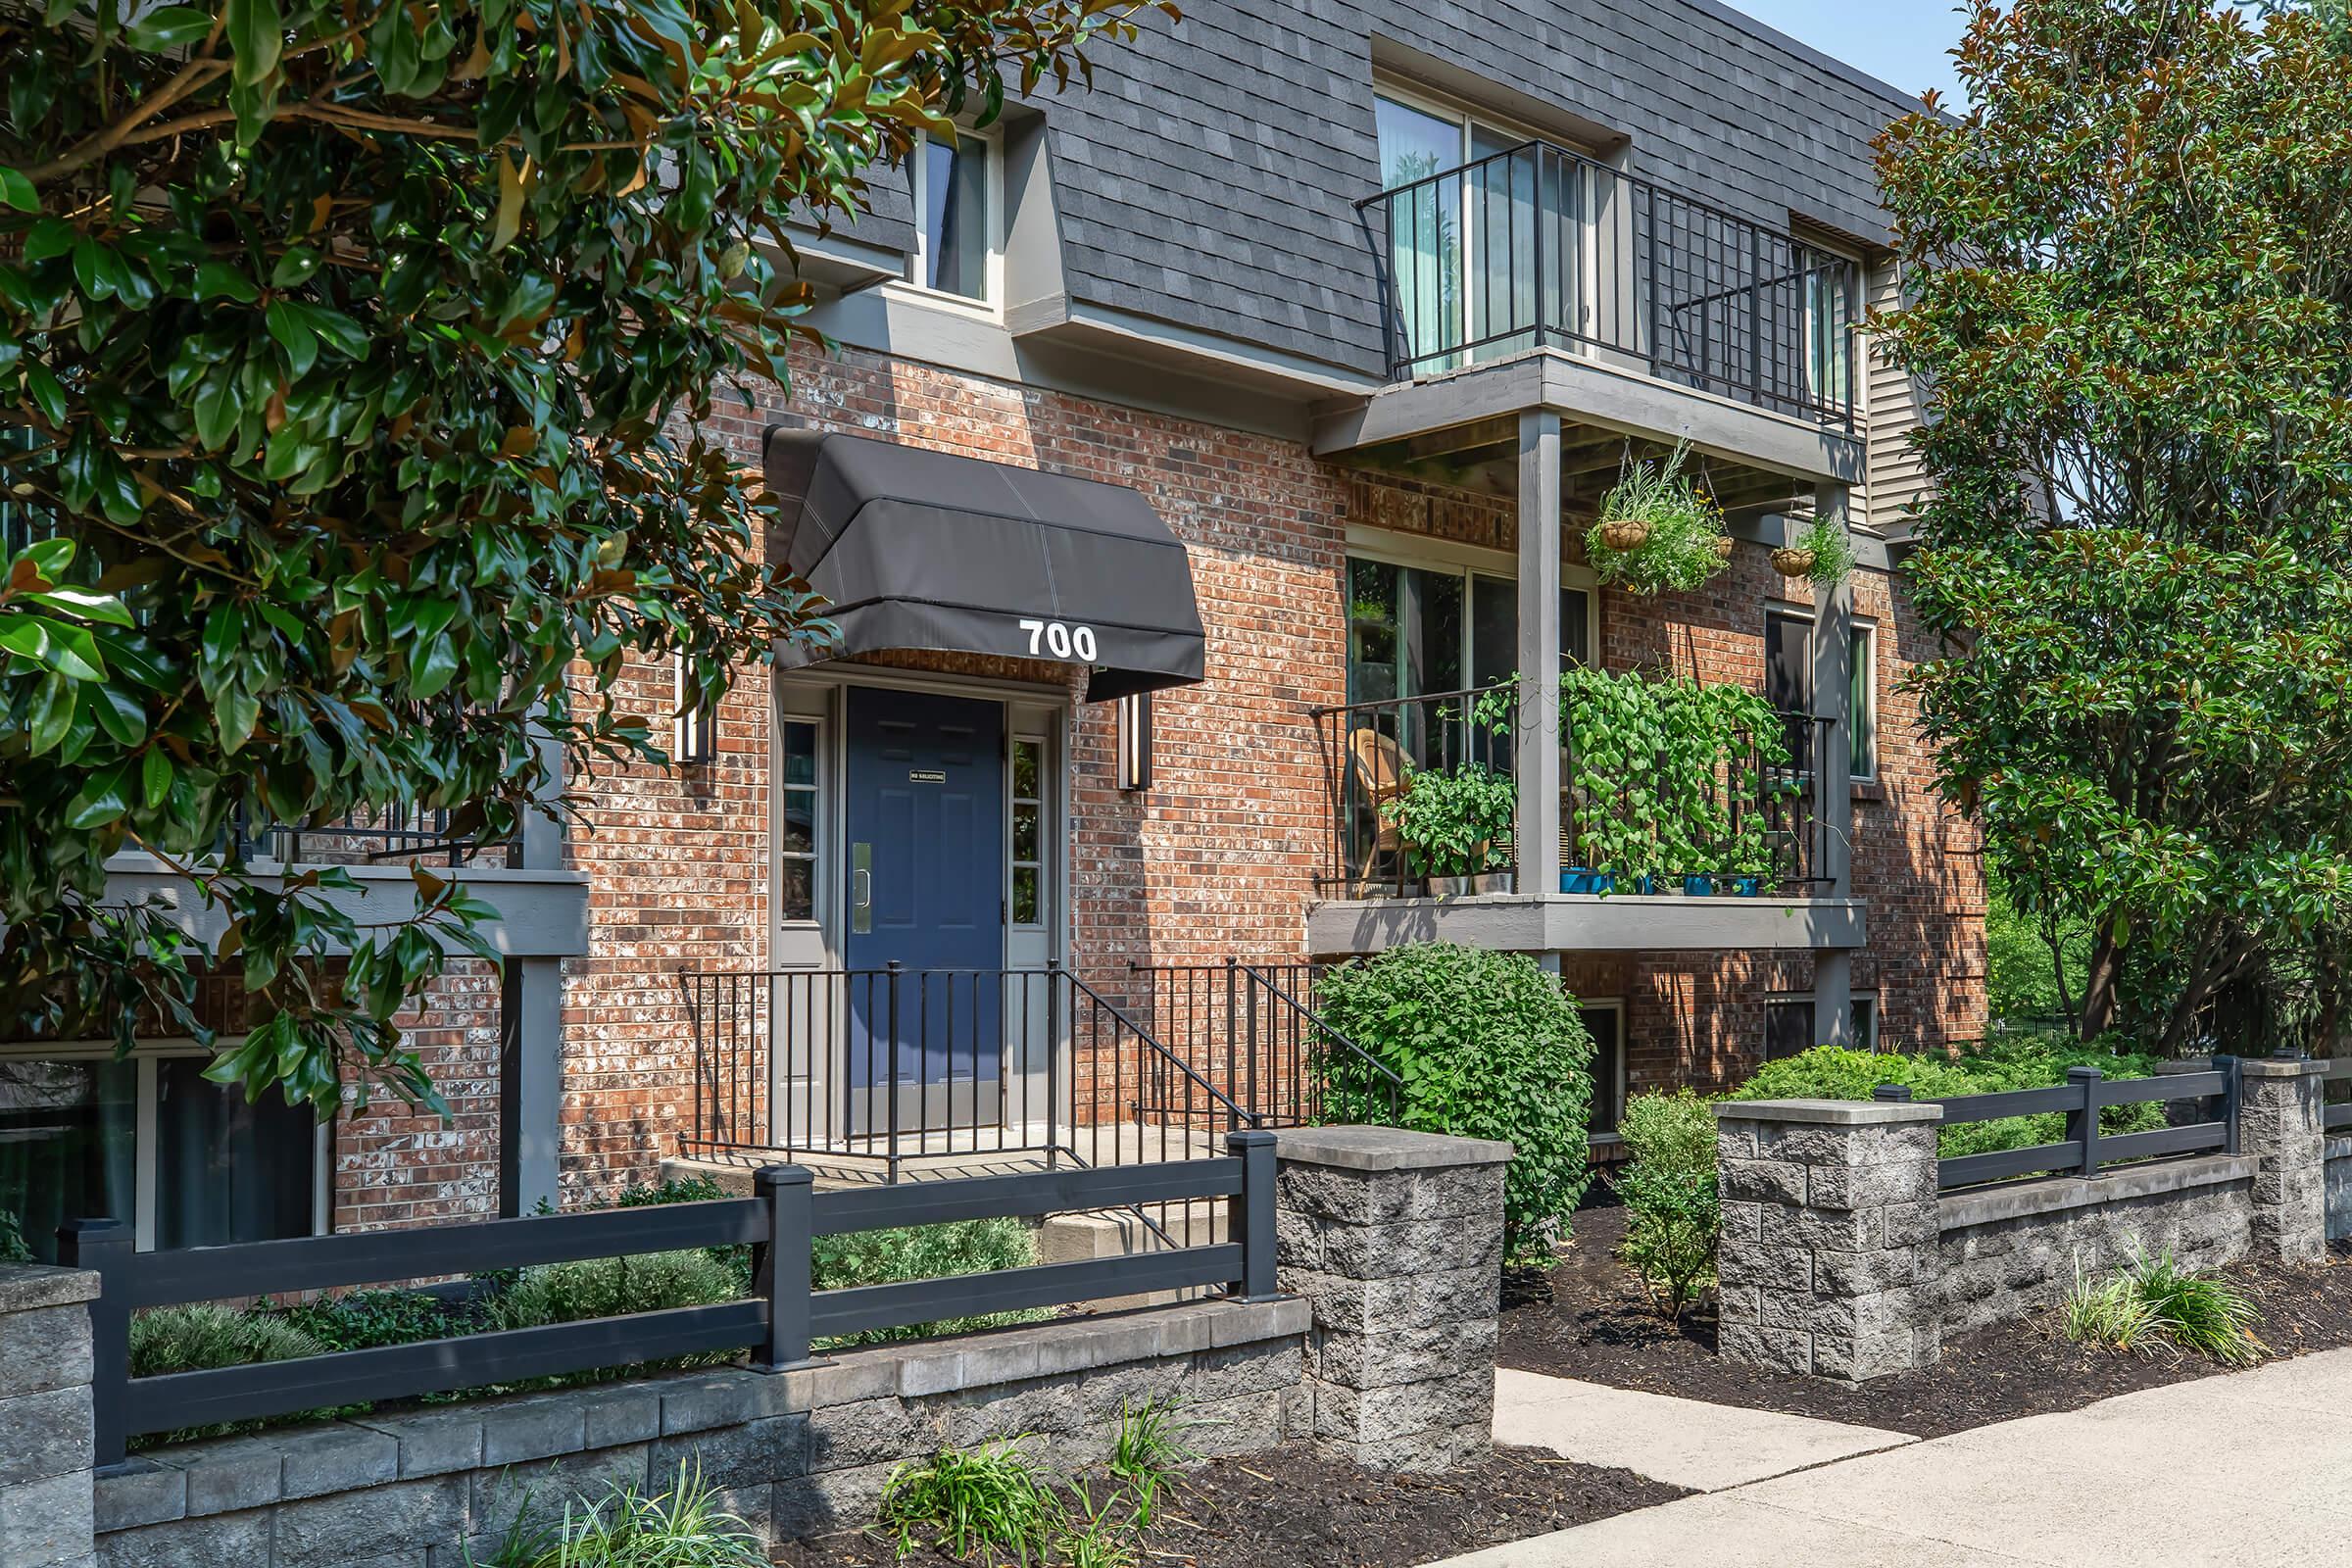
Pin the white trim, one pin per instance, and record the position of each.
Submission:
(820, 836)
(1015, 736)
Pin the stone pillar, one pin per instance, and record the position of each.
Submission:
(45, 1427)
(1395, 1239)
(1829, 1260)
(2280, 1124)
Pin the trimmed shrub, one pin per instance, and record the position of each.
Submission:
(614, 1287)
(925, 1252)
(1487, 1046)
(364, 1320)
(1673, 1213)
(200, 1337)
(691, 1190)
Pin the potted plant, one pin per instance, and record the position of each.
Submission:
(1658, 532)
(1454, 824)
(1820, 551)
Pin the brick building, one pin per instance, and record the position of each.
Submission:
(1322, 303)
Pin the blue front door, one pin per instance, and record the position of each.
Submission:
(925, 803)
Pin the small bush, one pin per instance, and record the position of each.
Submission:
(925, 1252)
(973, 1500)
(204, 1336)
(1487, 1046)
(2154, 1297)
(614, 1287)
(1147, 1455)
(691, 1190)
(1673, 1213)
(681, 1528)
(365, 1320)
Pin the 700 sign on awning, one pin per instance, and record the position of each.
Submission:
(1056, 638)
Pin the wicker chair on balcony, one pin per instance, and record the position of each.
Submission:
(1381, 768)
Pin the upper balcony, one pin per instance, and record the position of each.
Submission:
(1537, 277)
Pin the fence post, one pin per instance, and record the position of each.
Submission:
(2232, 1097)
(780, 1266)
(2082, 1123)
(1893, 1093)
(105, 1247)
(1250, 1217)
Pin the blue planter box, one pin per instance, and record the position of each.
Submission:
(1579, 879)
(1723, 886)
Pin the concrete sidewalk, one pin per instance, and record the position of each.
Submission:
(2251, 1468)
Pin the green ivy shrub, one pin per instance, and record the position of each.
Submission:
(1487, 1046)
(1828, 1072)
(1454, 823)
(1673, 1211)
(925, 1252)
(696, 1189)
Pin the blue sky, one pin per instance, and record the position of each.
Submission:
(1899, 41)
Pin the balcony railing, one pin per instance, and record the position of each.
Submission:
(1760, 802)
(1542, 247)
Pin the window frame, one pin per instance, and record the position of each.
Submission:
(815, 789)
(1860, 632)
(146, 1121)
(918, 256)
(1014, 800)
(1847, 372)
(1624, 1086)
(1467, 562)
(1866, 1040)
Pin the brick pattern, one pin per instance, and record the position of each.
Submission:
(395, 1165)
(1828, 1259)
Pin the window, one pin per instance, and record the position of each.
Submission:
(1461, 231)
(1788, 686)
(696, 722)
(1027, 899)
(1829, 323)
(954, 180)
(1604, 1021)
(1413, 631)
(186, 1161)
(1788, 1026)
(796, 848)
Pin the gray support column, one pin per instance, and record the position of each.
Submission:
(46, 1452)
(1832, 695)
(1393, 1239)
(1830, 1260)
(1536, 737)
(2281, 1123)
(541, 847)
(530, 1084)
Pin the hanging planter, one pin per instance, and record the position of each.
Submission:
(1658, 532)
(1821, 551)
(1625, 533)
(1790, 561)
(1723, 546)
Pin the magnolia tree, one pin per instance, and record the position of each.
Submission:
(350, 359)
(2128, 289)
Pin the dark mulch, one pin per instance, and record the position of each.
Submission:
(1289, 1507)
(1598, 1325)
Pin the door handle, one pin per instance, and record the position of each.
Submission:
(861, 888)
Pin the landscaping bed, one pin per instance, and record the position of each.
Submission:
(1599, 1326)
(1289, 1506)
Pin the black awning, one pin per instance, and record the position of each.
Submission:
(927, 550)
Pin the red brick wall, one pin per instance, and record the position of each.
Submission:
(398, 1166)
(1217, 858)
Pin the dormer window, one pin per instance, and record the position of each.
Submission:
(955, 201)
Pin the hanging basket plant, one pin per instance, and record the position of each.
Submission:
(1821, 551)
(1660, 531)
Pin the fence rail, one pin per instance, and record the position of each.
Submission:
(1541, 246)
(2336, 1117)
(2085, 1151)
(898, 1066)
(1373, 750)
(776, 1323)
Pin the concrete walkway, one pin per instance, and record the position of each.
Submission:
(2254, 1468)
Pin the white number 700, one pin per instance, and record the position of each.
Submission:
(1060, 640)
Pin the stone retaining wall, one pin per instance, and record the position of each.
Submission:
(791, 1454)
(2011, 1251)
(1840, 1258)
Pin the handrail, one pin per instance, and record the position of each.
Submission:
(1327, 1032)
(1245, 1117)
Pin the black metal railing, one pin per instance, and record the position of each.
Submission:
(1763, 798)
(1542, 247)
(1255, 1030)
(776, 1323)
(373, 836)
(899, 1070)
(2084, 1150)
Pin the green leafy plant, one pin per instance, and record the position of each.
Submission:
(695, 1189)
(1147, 1452)
(1680, 549)
(1096, 1535)
(2154, 1299)
(2110, 1313)
(13, 1247)
(356, 369)
(1454, 822)
(1673, 1211)
(1487, 1046)
(364, 1320)
(204, 1336)
(1832, 549)
(2136, 525)
(614, 1287)
(925, 1252)
(991, 1497)
(627, 1527)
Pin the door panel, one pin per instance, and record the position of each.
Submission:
(925, 809)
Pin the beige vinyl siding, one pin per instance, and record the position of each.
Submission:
(1897, 478)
